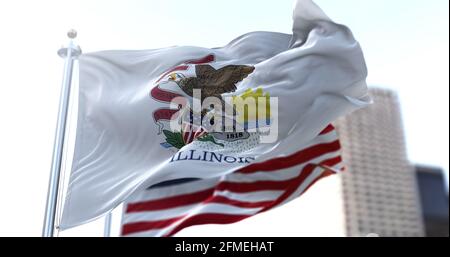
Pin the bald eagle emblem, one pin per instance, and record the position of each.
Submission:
(181, 81)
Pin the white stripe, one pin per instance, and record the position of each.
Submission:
(146, 233)
(158, 215)
(266, 195)
(339, 167)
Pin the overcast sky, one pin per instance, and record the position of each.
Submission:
(405, 44)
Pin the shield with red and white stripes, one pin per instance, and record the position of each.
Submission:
(190, 132)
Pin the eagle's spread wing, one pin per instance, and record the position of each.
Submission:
(216, 82)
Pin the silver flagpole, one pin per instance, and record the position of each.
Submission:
(107, 229)
(69, 53)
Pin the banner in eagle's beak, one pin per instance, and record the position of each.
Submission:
(150, 116)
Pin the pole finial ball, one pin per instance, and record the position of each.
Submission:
(72, 34)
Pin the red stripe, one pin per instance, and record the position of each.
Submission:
(165, 114)
(225, 200)
(163, 95)
(207, 218)
(170, 202)
(135, 227)
(302, 156)
(332, 161)
(186, 133)
(206, 59)
(241, 187)
(328, 129)
(198, 132)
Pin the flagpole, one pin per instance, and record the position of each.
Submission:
(69, 53)
(107, 228)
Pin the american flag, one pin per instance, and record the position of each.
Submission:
(168, 207)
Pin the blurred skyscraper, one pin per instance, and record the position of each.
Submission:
(434, 200)
(380, 193)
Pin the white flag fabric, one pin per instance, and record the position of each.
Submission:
(125, 139)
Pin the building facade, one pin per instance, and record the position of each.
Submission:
(379, 187)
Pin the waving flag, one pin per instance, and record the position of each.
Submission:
(140, 124)
(168, 207)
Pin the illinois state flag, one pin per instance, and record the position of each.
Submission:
(146, 117)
